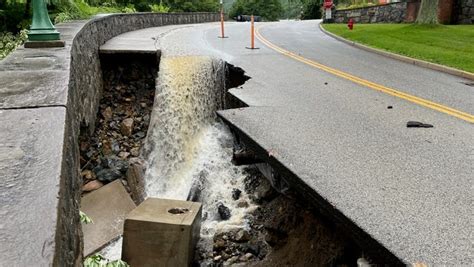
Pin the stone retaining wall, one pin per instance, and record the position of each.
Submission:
(389, 13)
(46, 94)
(465, 12)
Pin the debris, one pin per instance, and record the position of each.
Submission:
(126, 127)
(389, 107)
(417, 124)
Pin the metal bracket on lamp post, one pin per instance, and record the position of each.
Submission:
(42, 32)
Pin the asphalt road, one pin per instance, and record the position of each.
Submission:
(322, 111)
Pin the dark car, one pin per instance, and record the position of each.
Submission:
(248, 18)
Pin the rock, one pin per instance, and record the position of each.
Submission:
(135, 179)
(106, 147)
(246, 257)
(123, 155)
(264, 191)
(139, 135)
(242, 236)
(113, 162)
(92, 185)
(219, 244)
(217, 258)
(115, 147)
(236, 193)
(126, 127)
(225, 256)
(224, 212)
(232, 260)
(107, 114)
(243, 204)
(108, 175)
(88, 175)
(135, 151)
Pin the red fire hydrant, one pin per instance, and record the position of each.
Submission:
(350, 24)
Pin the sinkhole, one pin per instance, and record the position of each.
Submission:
(157, 131)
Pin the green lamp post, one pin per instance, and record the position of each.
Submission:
(42, 32)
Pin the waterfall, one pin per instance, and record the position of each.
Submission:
(189, 91)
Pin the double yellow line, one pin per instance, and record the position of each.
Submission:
(414, 99)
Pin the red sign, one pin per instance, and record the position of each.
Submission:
(328, 3)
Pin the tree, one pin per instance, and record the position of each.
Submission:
(311, 9)
(268, 9)
(428, 13)
(192, 5)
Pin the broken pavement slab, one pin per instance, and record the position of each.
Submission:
(108, 208)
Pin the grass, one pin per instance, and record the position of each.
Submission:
(450, 45)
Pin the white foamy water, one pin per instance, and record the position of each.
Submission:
(188, 93)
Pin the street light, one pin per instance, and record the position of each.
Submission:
(42, 32)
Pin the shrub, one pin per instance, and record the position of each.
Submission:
(159, 8)
(9, 42)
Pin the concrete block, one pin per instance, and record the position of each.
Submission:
(108, 208)
(161, 232)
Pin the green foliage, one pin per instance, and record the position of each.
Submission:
(311, 9)
(292, 9)
(129, 9)
(268, 9)
(98, 260)
(192, 5)
(12, 16)
(159, 8)
(9, 42)
(449, 45)
(84, 218)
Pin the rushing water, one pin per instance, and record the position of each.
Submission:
(186, 145)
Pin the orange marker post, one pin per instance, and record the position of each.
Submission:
(252, 33)
(222, 24)
(252, 21)
(222, 21)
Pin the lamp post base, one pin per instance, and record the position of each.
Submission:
(43, 35)
(45, 44)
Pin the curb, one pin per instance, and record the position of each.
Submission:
(417, 62)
